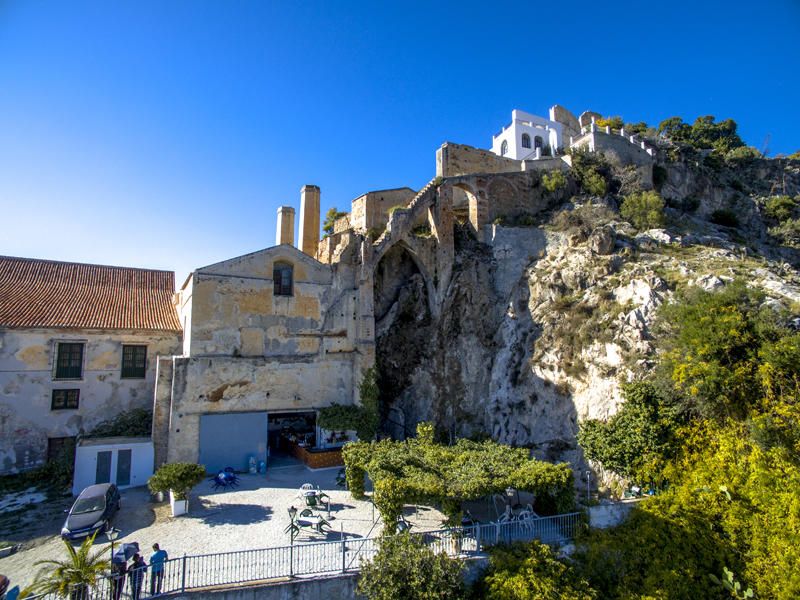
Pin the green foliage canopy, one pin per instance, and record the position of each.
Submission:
(704, 133)
(530, 572)
(404, 568)
(638, 440)
(419, 470)
(554, 181)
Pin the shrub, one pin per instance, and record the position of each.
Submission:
(404, 568)
(554, 181)
(591, 171)
(613, 122)
(742, 154)
(363, 419)
(644, 210)
(395, 208)
(594, 183)
(724, 217)
(137, 422)
(781, 208)
(788, 232)
(178, 477)
(530, 572)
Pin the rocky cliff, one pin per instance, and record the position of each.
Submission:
(541, 324)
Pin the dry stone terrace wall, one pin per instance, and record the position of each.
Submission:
(27, 383)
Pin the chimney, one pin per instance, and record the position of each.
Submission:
(285, 232)
(308, 241)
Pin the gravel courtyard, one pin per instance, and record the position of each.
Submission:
(253, 515)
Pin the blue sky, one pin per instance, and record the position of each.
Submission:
(166, 134)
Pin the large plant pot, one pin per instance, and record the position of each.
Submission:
(179, 507)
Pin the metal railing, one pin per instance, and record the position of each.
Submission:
(227, 569)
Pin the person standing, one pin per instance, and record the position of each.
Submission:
(136, 575)
(157, 560)
(118, 570)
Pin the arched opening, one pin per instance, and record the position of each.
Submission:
(504, 148)
(282, 277)
(538, 142)
(526, 140)
(403, 330)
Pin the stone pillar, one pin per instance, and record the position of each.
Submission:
(308, 240)
(285, 231)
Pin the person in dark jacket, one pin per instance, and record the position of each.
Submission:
(136, 575)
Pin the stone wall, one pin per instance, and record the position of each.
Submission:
(453, 160)
(336, 588)
(27, 382)
(621, 151)
(206, 385)
(371, 210)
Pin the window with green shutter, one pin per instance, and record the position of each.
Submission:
(134, 362)
(69, 360)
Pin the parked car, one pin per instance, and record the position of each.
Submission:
(92, 512)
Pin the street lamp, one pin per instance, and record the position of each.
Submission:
(112, 534)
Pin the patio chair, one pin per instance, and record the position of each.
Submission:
(307, 487)
(306, 512)
(318, 500)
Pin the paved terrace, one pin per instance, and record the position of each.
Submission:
(253, 515)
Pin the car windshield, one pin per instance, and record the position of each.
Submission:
(85, 505)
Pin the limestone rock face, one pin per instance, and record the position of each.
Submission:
(541, 326)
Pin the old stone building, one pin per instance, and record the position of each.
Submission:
(78, 345)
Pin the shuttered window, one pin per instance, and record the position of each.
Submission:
(69, 360)
(134, 361)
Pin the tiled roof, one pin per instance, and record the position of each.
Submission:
(49, 294)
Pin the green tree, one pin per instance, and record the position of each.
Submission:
(73, 576)
(530, 572)
(638, 440)
(644, 210)
(330, 218)
(404, 568)
(178, 477)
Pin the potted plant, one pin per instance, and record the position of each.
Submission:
(178, 479)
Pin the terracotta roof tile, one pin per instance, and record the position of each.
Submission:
(50, 294)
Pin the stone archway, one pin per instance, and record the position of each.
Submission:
(403, 329)
(477, 207)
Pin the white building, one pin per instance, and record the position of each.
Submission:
(527, 137)
(126, 462)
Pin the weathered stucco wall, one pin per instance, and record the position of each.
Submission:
(27, 382)
(233, 310)
(228, 384)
